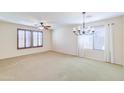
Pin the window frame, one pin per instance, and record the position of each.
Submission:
(94, 46)
(93, 41)
(31, 46)
(38, 39)
(87, 48)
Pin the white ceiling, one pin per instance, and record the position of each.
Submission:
(54, 18)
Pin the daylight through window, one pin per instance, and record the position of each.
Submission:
(29, 38)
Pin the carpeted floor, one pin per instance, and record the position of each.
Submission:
(56, 66)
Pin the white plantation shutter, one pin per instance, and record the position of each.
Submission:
(35, 39)
(28, 39)
(40, 39)
(21, 39)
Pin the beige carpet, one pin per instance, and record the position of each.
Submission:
(56, 66)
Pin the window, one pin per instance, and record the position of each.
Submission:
(37, 36)
(29, 39)
(21, 39)
(96, 40)
(88, 41)
(99, 36)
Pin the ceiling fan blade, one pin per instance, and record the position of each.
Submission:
(47, 27)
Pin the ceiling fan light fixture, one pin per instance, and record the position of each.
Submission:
(40, 28)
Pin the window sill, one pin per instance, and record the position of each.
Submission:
(95, 50)
(29, 47)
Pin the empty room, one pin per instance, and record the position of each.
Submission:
(61, 46)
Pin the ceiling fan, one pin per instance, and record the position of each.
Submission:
(45, 27)
(42, 26)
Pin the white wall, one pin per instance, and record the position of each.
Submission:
(123, 39)
(8, 41)
(65, 41)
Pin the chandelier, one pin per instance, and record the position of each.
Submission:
(83, 29)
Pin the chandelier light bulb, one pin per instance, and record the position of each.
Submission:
(40, 28)
(74, 29)
(79, 28)
(84, 29)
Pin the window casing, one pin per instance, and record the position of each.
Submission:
(27, 39)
